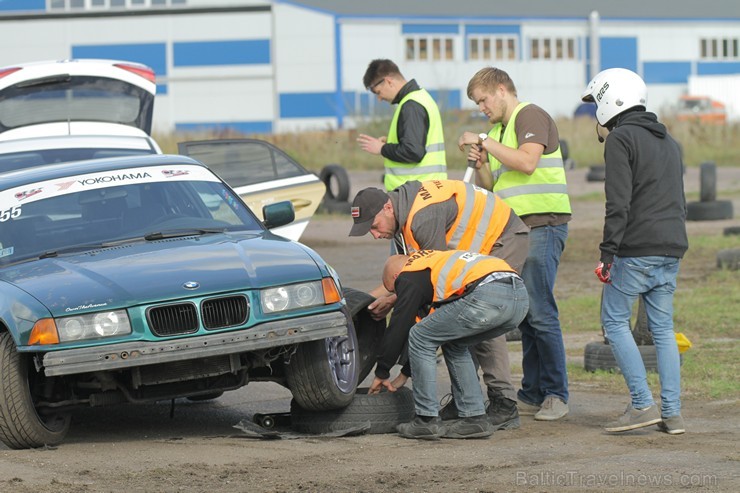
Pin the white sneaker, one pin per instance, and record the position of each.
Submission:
(552, 409)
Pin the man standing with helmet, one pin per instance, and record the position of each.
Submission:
(644, 238)
(526, 170)
(414, 148)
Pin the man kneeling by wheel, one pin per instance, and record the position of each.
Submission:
(464, 298)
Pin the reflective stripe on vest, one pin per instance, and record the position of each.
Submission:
(452, 270)
(544, 191)
(481, 215)
(433, 165)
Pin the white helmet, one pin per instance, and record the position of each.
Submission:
(614, 91)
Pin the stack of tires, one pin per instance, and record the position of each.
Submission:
(708, 208)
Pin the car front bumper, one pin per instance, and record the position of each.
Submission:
(139, 353)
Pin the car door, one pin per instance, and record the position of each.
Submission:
(261, 174)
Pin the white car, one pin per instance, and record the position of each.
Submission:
(71, 110)
(74, 110)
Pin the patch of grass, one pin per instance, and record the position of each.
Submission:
(316, 149)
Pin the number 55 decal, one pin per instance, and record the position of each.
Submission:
(11, 213)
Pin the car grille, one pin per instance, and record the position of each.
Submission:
(182, 318)
(224, 312)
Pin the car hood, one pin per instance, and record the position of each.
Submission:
(157, 271)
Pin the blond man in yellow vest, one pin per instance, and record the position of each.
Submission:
(467, 298)
(414, 148)
(520, 160)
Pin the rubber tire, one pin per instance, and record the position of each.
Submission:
(20, 426)
(514, 335)
(311, 377)
(331, 206)
(709, 211)
(205, 397)
(596, 172)
(599, 356)
(707, 182)
(369, 332)
(383, 411)
(731, 230)
(336, 179)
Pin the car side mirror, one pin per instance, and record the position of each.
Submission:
(278, 214)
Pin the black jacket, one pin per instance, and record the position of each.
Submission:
(412, 128)
(645, 203)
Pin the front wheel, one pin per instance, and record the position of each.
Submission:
(323, 374)
(21, 425)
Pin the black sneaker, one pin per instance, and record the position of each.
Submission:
(472, 427)
(448, 409)
(423, 428)
(502, 412)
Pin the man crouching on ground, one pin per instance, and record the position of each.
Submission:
(469, 298)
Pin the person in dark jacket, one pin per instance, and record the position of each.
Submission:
(414, 148)
(644, 239)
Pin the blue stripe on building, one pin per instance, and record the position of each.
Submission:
(717, 68)
(23, 5)
(447, 99)
(255, 127)
(430, 29)
(619, 53)
(238, 52)
(666, 72)
(308, 105)
(152, 54)
(492, 29)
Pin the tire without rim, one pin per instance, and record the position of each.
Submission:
(707, 182)
(709, 211)
(596, 172)
(20, 425)
(369, 332)
(599, 356)
(514, 335)
(383, 411)
(336, 180)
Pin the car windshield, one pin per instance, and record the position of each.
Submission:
(103, 209)
(62, 98)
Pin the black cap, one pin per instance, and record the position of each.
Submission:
(365, 207)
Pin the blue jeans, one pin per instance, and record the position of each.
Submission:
(543, 351)
(655, 279)
(488, 311)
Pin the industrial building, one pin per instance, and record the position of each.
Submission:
(261, 66)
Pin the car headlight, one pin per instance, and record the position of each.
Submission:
(93, 326)
(291, 297)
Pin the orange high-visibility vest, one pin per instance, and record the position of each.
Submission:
(452, 270)
(481, 215)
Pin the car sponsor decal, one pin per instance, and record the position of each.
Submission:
(9, 199)
(6, 252)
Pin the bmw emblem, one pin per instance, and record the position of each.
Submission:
(191, 285)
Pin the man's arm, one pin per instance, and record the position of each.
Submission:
(618, 189)
(412, 128)
(414, 291)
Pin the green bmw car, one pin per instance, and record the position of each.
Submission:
(147, 278)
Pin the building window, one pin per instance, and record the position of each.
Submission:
(110, 4)
(492, 48)
(720, 48)
(552, 49)
(423, 48)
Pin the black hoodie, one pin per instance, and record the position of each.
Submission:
(645, 203)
